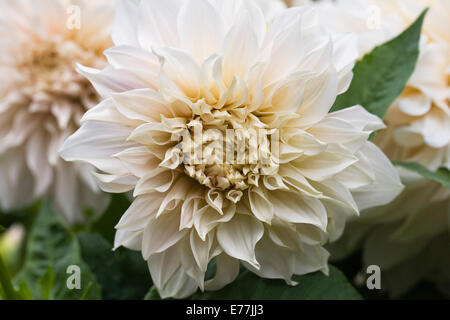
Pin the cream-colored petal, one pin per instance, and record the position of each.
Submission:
(324, 165)
(201, 28)
(208, 218)
(161, 233)
(116, 183)
(138, 61)
(180, 286)
(139, 160)
(163, 265)
(387, 185)
(312, 259)
(260, 204)
(227, 271)
(157, 23)
(159, 180)
(180, 74)
(112, 80)
(141, 211)
(128, 239)
(293, 208)
(124, 31)
(96, 143)
(142, 104)
(239, 237)
(275, 262)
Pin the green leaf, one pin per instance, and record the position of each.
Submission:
(87, 293)
(25, 291)
(314, 286)
(51, 249)
(381, 76)
(152, 294)
(7, 289)
(123, 274)
(441, 176)
(105, 225)
(2, 229)
(46, 283)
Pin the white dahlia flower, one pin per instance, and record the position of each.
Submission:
(42, 99)
(409, 238)
(187, 76)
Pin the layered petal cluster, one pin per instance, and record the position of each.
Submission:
(418, 130)
(42, 99)
(187, 77)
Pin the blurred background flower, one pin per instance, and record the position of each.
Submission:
(42, 99)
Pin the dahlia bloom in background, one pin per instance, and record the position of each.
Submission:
(180, 68)
(42, 99)
(408, 239)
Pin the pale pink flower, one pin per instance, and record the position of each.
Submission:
(42, 99)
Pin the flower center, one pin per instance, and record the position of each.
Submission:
(228, 151)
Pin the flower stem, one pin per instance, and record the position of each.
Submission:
(5, 281)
